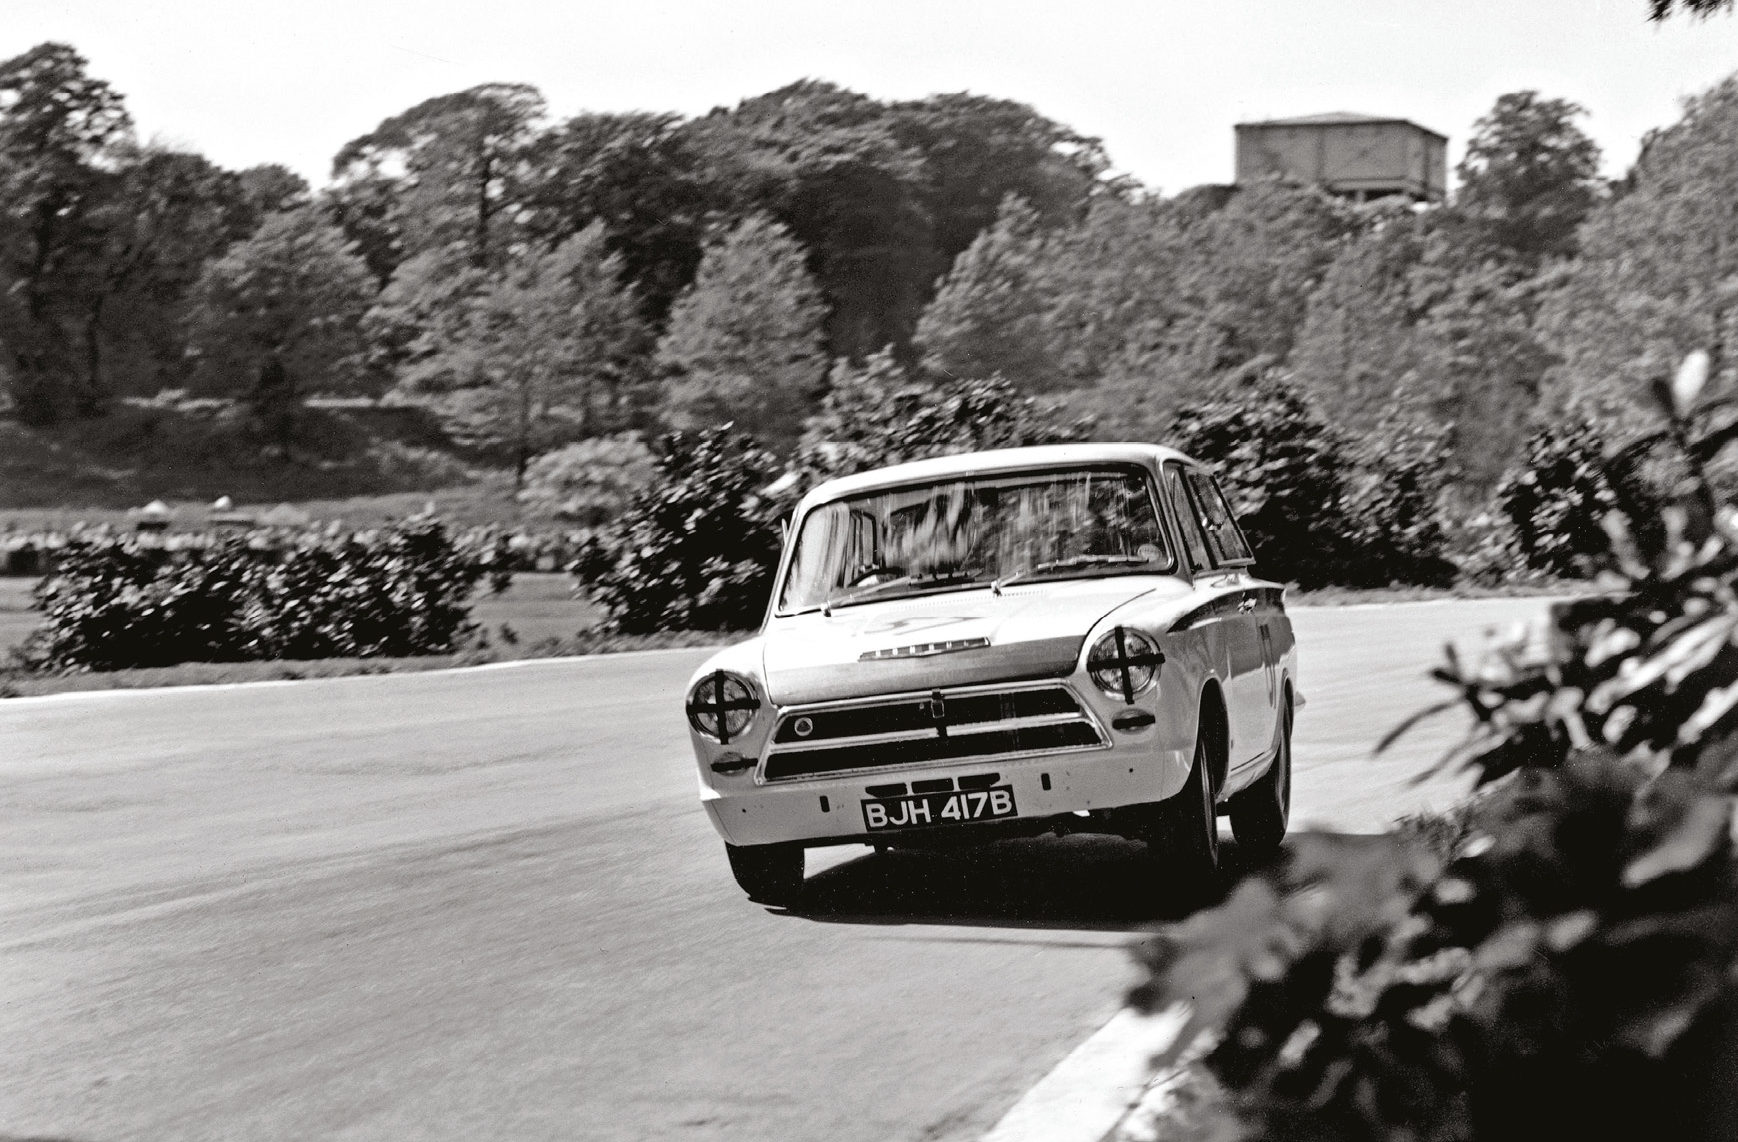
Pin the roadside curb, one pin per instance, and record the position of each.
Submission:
(1093, 1090)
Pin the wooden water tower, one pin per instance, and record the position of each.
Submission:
(1358, 156)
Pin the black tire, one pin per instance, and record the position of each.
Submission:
(1261, 813)
(770, 874)
(1186, 831)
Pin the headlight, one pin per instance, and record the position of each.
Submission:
(1124, 663)
(721, 706)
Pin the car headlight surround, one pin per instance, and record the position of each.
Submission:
(721, 706)
(1125, 663)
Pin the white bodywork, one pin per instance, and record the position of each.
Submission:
(1056, 742)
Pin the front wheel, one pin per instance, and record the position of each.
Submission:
(770, 874)
(1261, 813)
(1186, 831)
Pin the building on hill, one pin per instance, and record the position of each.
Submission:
(1363, 157)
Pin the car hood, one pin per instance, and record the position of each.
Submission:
(955, 638)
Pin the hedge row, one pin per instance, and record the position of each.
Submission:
(123, 602)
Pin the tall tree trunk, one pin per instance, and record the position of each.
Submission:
(484, 174)
(92, 397)
(522, 443)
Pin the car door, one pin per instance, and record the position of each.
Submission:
(1217, 620)
(1251, 684)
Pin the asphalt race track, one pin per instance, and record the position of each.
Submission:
(485, 905)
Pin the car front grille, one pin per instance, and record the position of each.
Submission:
(980, 724)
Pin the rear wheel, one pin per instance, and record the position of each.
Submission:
(1186, 833)
(1260, 814)
(770, 874)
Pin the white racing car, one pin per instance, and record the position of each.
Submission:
(1060, 638)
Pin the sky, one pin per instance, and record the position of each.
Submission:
(1160, 82)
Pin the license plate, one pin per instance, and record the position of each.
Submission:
(938, 808)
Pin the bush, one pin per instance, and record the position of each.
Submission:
(124, 602)
(1397, 532)
(1572, 969)
(1313, 513)
(1557, 503)
(589, 482)
(698, 548)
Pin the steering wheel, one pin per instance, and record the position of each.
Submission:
(880, 573)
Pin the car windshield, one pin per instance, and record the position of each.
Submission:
(974, 531)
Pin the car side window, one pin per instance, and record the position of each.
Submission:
(1224, 538)
(1183, 510)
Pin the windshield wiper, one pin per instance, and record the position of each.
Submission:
(1072, 563)
(916, 582)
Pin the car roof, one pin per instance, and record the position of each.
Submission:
(994, 461)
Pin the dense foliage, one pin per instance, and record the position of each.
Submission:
(744, 342)
(1558, 500)
(591, 481)
(697, 548)
(280, 316)
(550, 350)
(1315, 510)
(1573, 969)
(116, 602)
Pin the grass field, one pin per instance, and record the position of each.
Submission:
(196, 451)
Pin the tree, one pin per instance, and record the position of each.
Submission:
(271, 187)
(551, 352)
(1115, 281)
(744, 342)
(60, 132)
(419, 318)
(1476, 365)
(1530, 175)
(1414, 326)
(165, 215)
(1358, 336)
(1657, 273)
(827, 164)
(977, 151)
(280, 316)
(450, 171)
(1252, 267)
(1177, 296)
(991, 314)
(639, 175)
